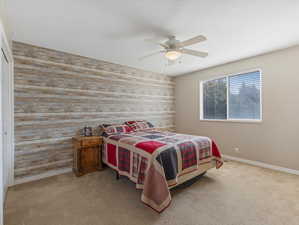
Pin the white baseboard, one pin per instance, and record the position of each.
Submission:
(41, 176)
(261, 164)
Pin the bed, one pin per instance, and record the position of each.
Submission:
(158, 160)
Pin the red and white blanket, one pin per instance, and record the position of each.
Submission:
(154, 160)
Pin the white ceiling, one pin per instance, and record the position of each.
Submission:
(114, 30)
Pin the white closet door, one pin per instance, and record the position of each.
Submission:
(2, 192)
(5, 116)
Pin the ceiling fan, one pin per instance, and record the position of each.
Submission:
(173, 48)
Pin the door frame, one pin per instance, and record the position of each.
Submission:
(5, 45)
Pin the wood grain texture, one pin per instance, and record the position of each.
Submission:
(56, 94)
(87, 154)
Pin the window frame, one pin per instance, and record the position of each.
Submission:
(201, 83)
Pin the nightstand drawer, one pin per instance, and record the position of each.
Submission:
(90, 142)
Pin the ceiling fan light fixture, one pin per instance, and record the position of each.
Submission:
(173, 49)
(173, 55)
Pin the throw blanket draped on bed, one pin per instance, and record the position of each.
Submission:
(154, 160)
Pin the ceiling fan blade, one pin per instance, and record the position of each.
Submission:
(157, 43)
(192, 41)
(149, 55)
(194, 53)
(171, 62)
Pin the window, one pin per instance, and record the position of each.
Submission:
(215, 99)
(235, 97)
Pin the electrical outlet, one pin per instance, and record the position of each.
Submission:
(237, 150)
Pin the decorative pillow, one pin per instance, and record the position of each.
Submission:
(133, 121)
(103, 126)
(109, 129)
(139, 125)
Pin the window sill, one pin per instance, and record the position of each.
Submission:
(232, 121)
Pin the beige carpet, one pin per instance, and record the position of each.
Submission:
(237, 194)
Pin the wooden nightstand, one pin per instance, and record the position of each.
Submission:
(87, 154)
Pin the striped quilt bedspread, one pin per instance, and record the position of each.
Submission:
(154, 160)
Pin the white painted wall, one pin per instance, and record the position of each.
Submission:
(272, 141)
(4, 20)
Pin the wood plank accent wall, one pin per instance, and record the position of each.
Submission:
(56, 94)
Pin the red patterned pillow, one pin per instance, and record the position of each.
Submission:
(114, 129)
(133, 121)
(139, 125)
